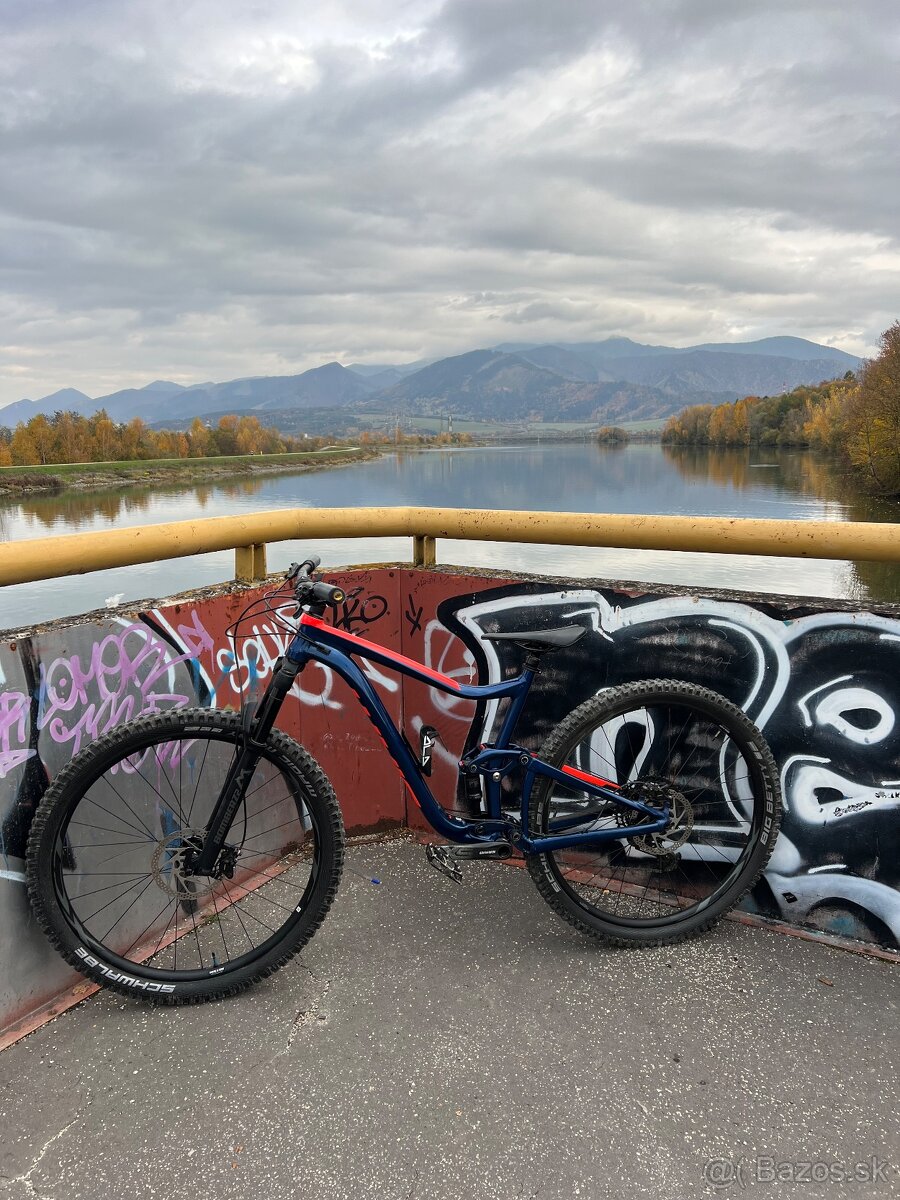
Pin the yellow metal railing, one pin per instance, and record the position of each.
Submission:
(77, 553)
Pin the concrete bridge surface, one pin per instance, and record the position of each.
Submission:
(437, 1041)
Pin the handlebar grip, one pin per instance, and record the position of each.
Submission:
(326, 593)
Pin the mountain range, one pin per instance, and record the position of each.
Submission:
(605, 381)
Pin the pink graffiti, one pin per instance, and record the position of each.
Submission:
(194, 637)
(122, 677)
(13, 731)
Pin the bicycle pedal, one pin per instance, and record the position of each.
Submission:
(439, 858)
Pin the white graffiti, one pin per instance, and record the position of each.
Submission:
(441, 650)
(845, 774)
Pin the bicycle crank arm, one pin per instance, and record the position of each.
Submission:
(446, 858)
(482, 850)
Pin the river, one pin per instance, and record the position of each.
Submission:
(580, 477)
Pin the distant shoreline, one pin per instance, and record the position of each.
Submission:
(62, 477)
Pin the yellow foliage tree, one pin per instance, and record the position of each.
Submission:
(198, 437)
(874, 427)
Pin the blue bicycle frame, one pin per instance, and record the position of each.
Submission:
(315, 641)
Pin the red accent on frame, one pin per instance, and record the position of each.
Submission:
(363, 646)
(585, 778)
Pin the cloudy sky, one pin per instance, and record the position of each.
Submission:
(204, 189)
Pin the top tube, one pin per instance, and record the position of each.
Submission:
(315, 630)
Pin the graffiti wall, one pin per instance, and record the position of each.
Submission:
(823, 685)
(64, 686)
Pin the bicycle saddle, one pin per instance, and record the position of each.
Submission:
(538, 641)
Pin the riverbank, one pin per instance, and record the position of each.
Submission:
(58, 477)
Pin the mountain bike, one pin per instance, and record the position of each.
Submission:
(189, 853)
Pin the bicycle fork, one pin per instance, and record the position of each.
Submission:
(241, 770)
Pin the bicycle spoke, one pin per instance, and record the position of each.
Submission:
(699, 774)
(201, 922)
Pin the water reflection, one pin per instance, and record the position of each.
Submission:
(798, 472)
(801, 473)
(729, 468)
(72, 510)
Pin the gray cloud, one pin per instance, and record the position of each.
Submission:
(215, 189)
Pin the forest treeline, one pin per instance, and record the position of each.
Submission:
(856, 418)
(67, 437)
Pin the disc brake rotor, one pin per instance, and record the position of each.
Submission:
(681, 817)
(170, 865)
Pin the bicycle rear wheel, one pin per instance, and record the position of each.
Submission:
(664, 742)
(108, 867)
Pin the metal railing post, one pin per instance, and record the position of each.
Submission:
(424, 550)
(250, 562)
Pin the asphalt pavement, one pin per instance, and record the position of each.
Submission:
(442, 1041)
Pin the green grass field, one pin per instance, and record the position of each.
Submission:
(64, 470)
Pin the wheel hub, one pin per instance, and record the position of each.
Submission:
(681, 818)
(172, 864)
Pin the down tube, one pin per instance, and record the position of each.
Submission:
(395, 743)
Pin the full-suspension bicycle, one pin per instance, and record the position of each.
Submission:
(188, 853)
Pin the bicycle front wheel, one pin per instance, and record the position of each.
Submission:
(662, 742)
(109, 854)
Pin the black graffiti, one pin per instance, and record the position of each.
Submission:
(34, 778)
(413, 615)
(824, 686)
(358, 610)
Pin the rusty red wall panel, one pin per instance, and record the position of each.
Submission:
(322, 713)
(426, 639)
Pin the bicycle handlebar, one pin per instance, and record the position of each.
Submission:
(305, 569)
(310, 591)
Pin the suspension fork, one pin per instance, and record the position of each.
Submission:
(241, 770)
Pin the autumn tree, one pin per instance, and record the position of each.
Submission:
(104, 435)
(224, 436)
(828, 417)
(71, 438)
(248, 436)
(198, 437)
(42, 436)
(874, 427)
(68, 437)
(690, 426)
(133, 440)
(22, 448)
(720, 425)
